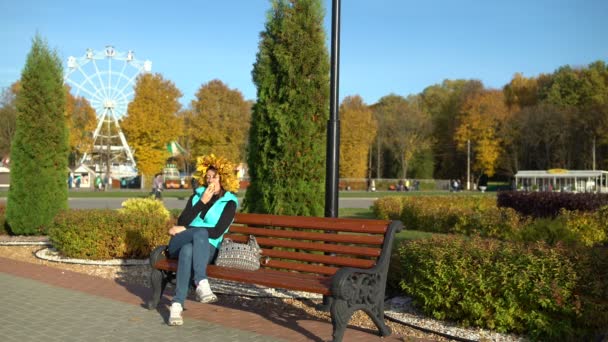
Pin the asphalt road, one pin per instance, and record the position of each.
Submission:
(176, 203)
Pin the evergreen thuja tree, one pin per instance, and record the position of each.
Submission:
(39, 151)
(286, 155)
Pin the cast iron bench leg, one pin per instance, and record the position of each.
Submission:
(377, 316)
(340, 315)
(159, 282)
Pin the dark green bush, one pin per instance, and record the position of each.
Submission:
(3, 226)
(549, 204)
(40, 147)
(549, 230)
(547, 293)
(107, 234)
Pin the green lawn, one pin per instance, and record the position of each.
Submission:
(355, 213)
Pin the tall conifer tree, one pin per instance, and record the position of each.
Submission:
(39, 151)
(286, 153)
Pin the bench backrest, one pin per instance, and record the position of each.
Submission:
(314, 244)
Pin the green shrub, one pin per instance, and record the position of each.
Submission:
(40, 147)
(479, 215)
(592, 287)
(473, 215)
(145, 206)
(549, 230)
(3, 226)
(570, 227)
(508, 287)
(107, 234)
(587, 228)
(388, 208)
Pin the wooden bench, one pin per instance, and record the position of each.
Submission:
(345, 260)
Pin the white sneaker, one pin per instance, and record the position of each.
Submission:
(204, 293)
(175, 314)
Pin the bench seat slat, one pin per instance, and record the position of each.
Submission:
(301, 267)
(310, 246)
(276, 279)
(298, 235)
(319, 258)
(322, 223)
(171, 265)
(166, 264)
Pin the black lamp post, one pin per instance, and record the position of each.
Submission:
(333, 125)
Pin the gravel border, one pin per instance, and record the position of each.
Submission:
(51, 254)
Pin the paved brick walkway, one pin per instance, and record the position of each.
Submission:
(43, 303)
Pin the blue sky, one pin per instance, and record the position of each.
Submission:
(387, 46)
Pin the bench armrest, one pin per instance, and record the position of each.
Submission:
(158, 254)
(362, 286)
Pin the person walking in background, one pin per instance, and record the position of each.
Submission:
(200, 229)
(98, 183)
(157, 186)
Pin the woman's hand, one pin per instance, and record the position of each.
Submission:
(176, 230)
(208, 193)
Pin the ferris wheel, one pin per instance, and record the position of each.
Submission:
(106, 78)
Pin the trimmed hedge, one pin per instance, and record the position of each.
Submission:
(108, 234)
(549, 204)
(471, 215)
(3, 226)
(478, 215)
(546, 293)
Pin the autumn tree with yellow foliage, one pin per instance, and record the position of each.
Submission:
(480, 121)
(521, 92)
(219, 122)
(151, 122)
(357, 133)
(81, 120)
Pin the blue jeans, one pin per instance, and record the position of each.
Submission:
(194, 253)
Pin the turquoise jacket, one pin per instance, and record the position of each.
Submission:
(214, 213)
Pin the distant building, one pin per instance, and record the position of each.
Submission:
(562, 180)
(83, 177)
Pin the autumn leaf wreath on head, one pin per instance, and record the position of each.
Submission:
(224, 167)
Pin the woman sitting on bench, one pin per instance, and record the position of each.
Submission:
(200, 229)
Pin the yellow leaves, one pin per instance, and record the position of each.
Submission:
(219, 122)
(82, 121)
(151, 121)
(487, 153)
(479, 121)
(521, 91)
(357, 132)
(145, 206)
